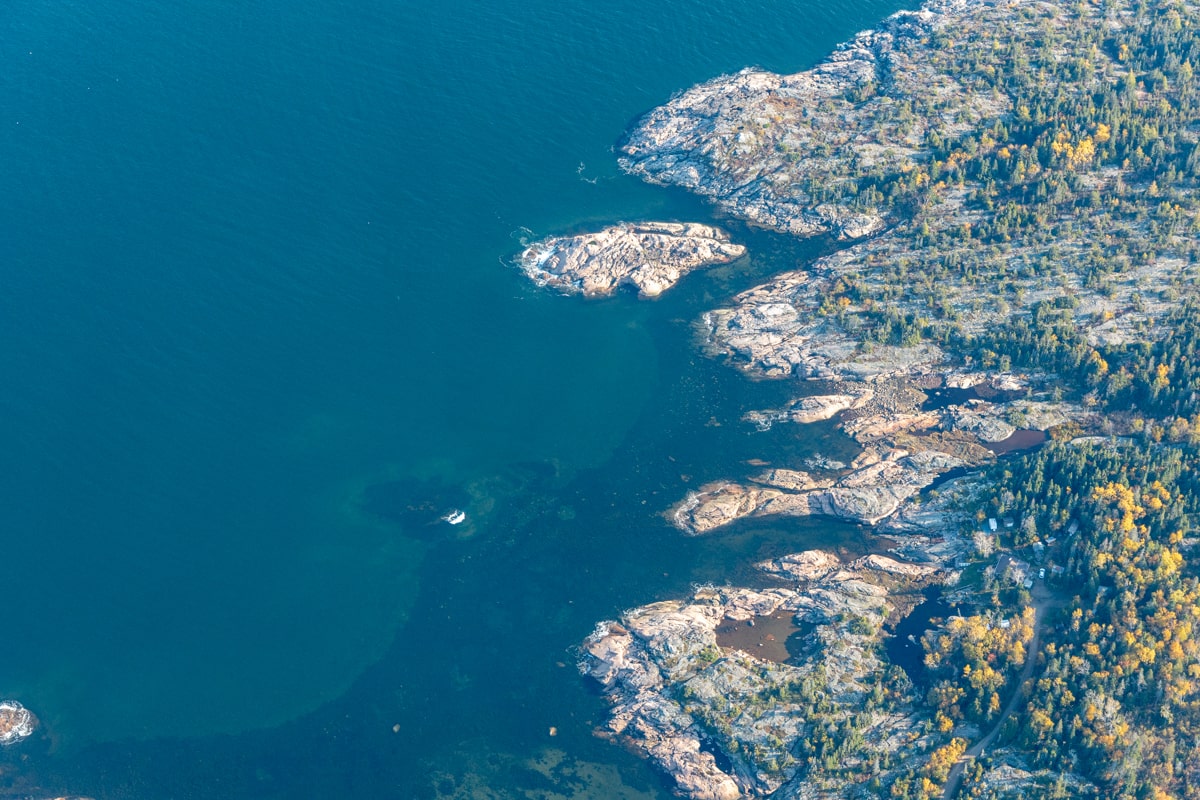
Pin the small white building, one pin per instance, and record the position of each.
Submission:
(992, 524)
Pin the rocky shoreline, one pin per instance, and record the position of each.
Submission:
(897, 326)
(763, 146)
(906, 447)
(17, 723)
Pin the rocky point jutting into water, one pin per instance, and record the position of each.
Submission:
(900, 136)
(733, 690)
(905, 448)
(651, 256)
(768, 147)
(807, 154)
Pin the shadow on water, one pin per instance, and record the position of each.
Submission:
(904, 647)
(954, 396)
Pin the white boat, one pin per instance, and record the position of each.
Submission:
(455, 517)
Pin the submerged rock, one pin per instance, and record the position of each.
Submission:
(651, 256)
(16, 722)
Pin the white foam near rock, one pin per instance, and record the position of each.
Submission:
(16, 722)
(679, 696)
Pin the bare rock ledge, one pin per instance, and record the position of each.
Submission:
(651, 256)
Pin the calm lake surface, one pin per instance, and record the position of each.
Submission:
(260, 328)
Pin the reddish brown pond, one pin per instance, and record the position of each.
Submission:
(1020, 440)
(766, 638)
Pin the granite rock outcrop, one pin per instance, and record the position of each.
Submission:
(16, 722)
(690, 689)
(650, 256)
(867, 494)
(767, 147)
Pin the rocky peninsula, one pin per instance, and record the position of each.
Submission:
(733, 691)
(877, 145)
(650, 256)
(767, 148)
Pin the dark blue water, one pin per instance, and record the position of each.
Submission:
(256, 321)
(904, 648)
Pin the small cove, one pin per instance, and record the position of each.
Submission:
(956, 396)
(904, 647)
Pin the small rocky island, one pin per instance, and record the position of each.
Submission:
(650, 256)
(16, 722)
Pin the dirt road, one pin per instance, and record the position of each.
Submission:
(1043, 601)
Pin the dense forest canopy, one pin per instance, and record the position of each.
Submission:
(1092, 178)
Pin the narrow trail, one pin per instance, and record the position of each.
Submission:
(1043, 601)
